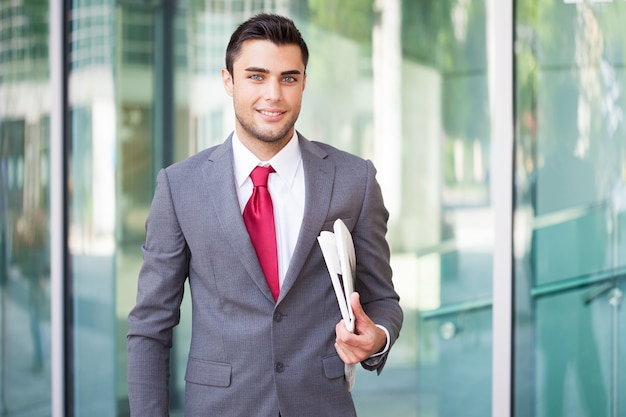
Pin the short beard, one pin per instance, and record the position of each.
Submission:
(267, 138)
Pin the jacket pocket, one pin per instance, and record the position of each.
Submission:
(333, 366)
(203, 372)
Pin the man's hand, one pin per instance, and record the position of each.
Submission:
(366, 340)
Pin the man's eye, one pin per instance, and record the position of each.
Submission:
(256, 77)
(289, 79)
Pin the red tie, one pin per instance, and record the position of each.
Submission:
(259, 219)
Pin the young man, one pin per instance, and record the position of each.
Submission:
(261, 347)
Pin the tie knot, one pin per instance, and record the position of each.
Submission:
(260, 174)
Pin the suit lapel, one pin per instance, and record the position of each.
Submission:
(219, 174)
(319, 174)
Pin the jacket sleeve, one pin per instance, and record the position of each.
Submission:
(374, 275)
(160, 291)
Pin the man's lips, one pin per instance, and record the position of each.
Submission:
(272, 114)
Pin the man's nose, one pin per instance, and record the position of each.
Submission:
(273, 90)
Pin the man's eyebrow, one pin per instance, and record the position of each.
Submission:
(266, 71)
(257, 69)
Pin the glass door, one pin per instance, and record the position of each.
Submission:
(25, 107)
(570, 209)
(405, 84)
(455, 218)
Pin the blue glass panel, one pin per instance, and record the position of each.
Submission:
(570, 187)
(25, 95)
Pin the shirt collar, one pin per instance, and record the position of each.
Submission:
(285, 162)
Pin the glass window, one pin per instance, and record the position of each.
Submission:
(92, 165)
(24, 210)
(406, 86)
(570, 208)
(402, 83)
(451, 210)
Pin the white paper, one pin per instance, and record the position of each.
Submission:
(338, 251)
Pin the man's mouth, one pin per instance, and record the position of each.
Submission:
(271, 113)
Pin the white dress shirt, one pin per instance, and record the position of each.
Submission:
(286, 187)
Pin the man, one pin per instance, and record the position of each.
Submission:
(255, 352)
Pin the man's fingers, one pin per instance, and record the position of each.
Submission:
(355, 302)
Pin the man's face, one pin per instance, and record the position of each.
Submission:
(266, 86)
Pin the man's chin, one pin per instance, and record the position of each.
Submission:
(273, 136)
(268, 133)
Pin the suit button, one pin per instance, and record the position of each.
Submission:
(279, 367)
(278, 317)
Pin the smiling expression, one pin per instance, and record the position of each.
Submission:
(266, 86)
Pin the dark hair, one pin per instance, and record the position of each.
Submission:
(265, 26)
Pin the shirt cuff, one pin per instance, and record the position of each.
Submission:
(382, 352)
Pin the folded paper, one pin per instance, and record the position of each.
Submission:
(338, 251)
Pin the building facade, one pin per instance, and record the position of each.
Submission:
(497, 128)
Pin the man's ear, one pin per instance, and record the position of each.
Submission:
(227, 80)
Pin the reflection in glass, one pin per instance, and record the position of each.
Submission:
(570, 188)
(92, 206)
(401, 83)
(407, 87)
(24, 210)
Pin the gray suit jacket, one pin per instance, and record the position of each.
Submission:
(250, 356)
